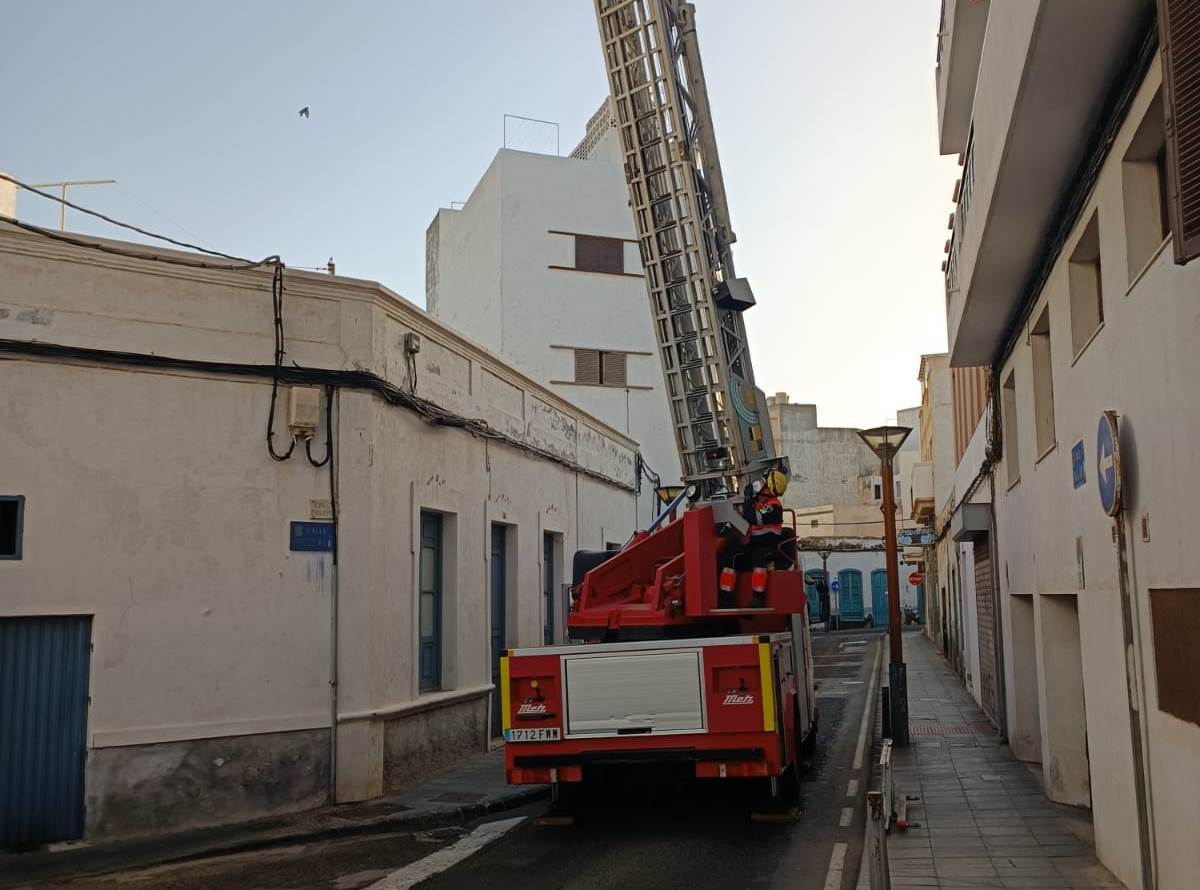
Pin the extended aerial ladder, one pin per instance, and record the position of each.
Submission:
(690, 658)
(677, 194)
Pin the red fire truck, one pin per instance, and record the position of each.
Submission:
(689, 645)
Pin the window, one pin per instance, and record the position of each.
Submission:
(1012, 447)
(1175, 616)
(1087, 295)
(600, 368)
(12, 515)
(1144, 189)
(1043, 383)
(594, 253)
(878, 492)
(430, 607)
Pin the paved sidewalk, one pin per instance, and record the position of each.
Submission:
(462, 792)
(981, 820)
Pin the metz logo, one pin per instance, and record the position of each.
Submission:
(739, 697)
(532, 709)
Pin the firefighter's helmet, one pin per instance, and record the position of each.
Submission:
(776, 482)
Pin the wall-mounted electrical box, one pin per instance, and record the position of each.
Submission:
(412, 343)
(304, 410)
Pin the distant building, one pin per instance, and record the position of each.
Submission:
(178, 647)
(836, 492)
(1069, 275)
(541, 266)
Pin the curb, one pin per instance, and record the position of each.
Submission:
(148, 852)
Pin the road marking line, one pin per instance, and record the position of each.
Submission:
(437, 862)
(852, 788)
(847, 817)
(868, 717)
(837, 864)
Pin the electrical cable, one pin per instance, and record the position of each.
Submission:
(108, 219)
(339, 379)
(277, 309)
(328, 432)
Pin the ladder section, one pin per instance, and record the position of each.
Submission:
(678, 201)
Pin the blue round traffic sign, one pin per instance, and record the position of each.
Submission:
(1108, 463)
(836, 586)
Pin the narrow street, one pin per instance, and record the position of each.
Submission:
(654, 835)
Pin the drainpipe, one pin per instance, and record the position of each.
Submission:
(998, 614)
(333, 609)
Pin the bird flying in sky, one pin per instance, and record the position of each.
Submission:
(304, 112)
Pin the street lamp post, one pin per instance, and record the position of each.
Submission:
(827, 605)
(885, 441)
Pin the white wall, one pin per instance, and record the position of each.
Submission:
(489, 276)
(151, 504)
(1143, 363)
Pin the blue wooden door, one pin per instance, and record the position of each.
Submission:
(430, 592)
(548, 588)
(879, 597)
(499, 595)
(810, 591)
(921, 603)
(44, 664)
(850, 599)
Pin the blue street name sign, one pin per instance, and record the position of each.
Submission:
(1108, 463)
(1078, 461)
(915, 537)
(316, 537)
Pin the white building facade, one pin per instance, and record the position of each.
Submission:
(1061, 277)
(541, 266)
(218, 665)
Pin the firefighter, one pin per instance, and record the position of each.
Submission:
(764, 511)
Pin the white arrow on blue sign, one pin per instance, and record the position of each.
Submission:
(1108, 463)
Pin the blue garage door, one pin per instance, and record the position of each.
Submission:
(43, 727)
(810, 590)
(879, 597)
(850, 598)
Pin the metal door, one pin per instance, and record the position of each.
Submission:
(850, 599)
(810, 590)
(499, 605)
(43, 726)
(548, 588)
(879, 597)
(431, 601)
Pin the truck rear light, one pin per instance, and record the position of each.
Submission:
(758, 580)
(728, 580)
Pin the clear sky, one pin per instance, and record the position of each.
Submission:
(825, 116)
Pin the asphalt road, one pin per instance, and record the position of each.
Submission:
(647, 832)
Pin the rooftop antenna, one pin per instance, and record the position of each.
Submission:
(64, 184)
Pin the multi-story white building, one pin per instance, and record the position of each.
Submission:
(1078, 129)
(541, 266)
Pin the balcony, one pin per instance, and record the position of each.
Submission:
(1044, 73)
(921, 486)
(960, 43)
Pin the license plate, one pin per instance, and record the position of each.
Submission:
(541, 734)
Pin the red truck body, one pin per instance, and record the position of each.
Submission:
(665, 674)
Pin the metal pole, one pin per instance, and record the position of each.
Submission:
(897, 670)
(893, 572)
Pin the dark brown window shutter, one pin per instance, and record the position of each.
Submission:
(1179, 36)
(587, 366)
(612, 368)
(596, 254)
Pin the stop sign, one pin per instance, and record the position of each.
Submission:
(915, 578)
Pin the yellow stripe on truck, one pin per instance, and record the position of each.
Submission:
(766, 678)
(505, 718)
